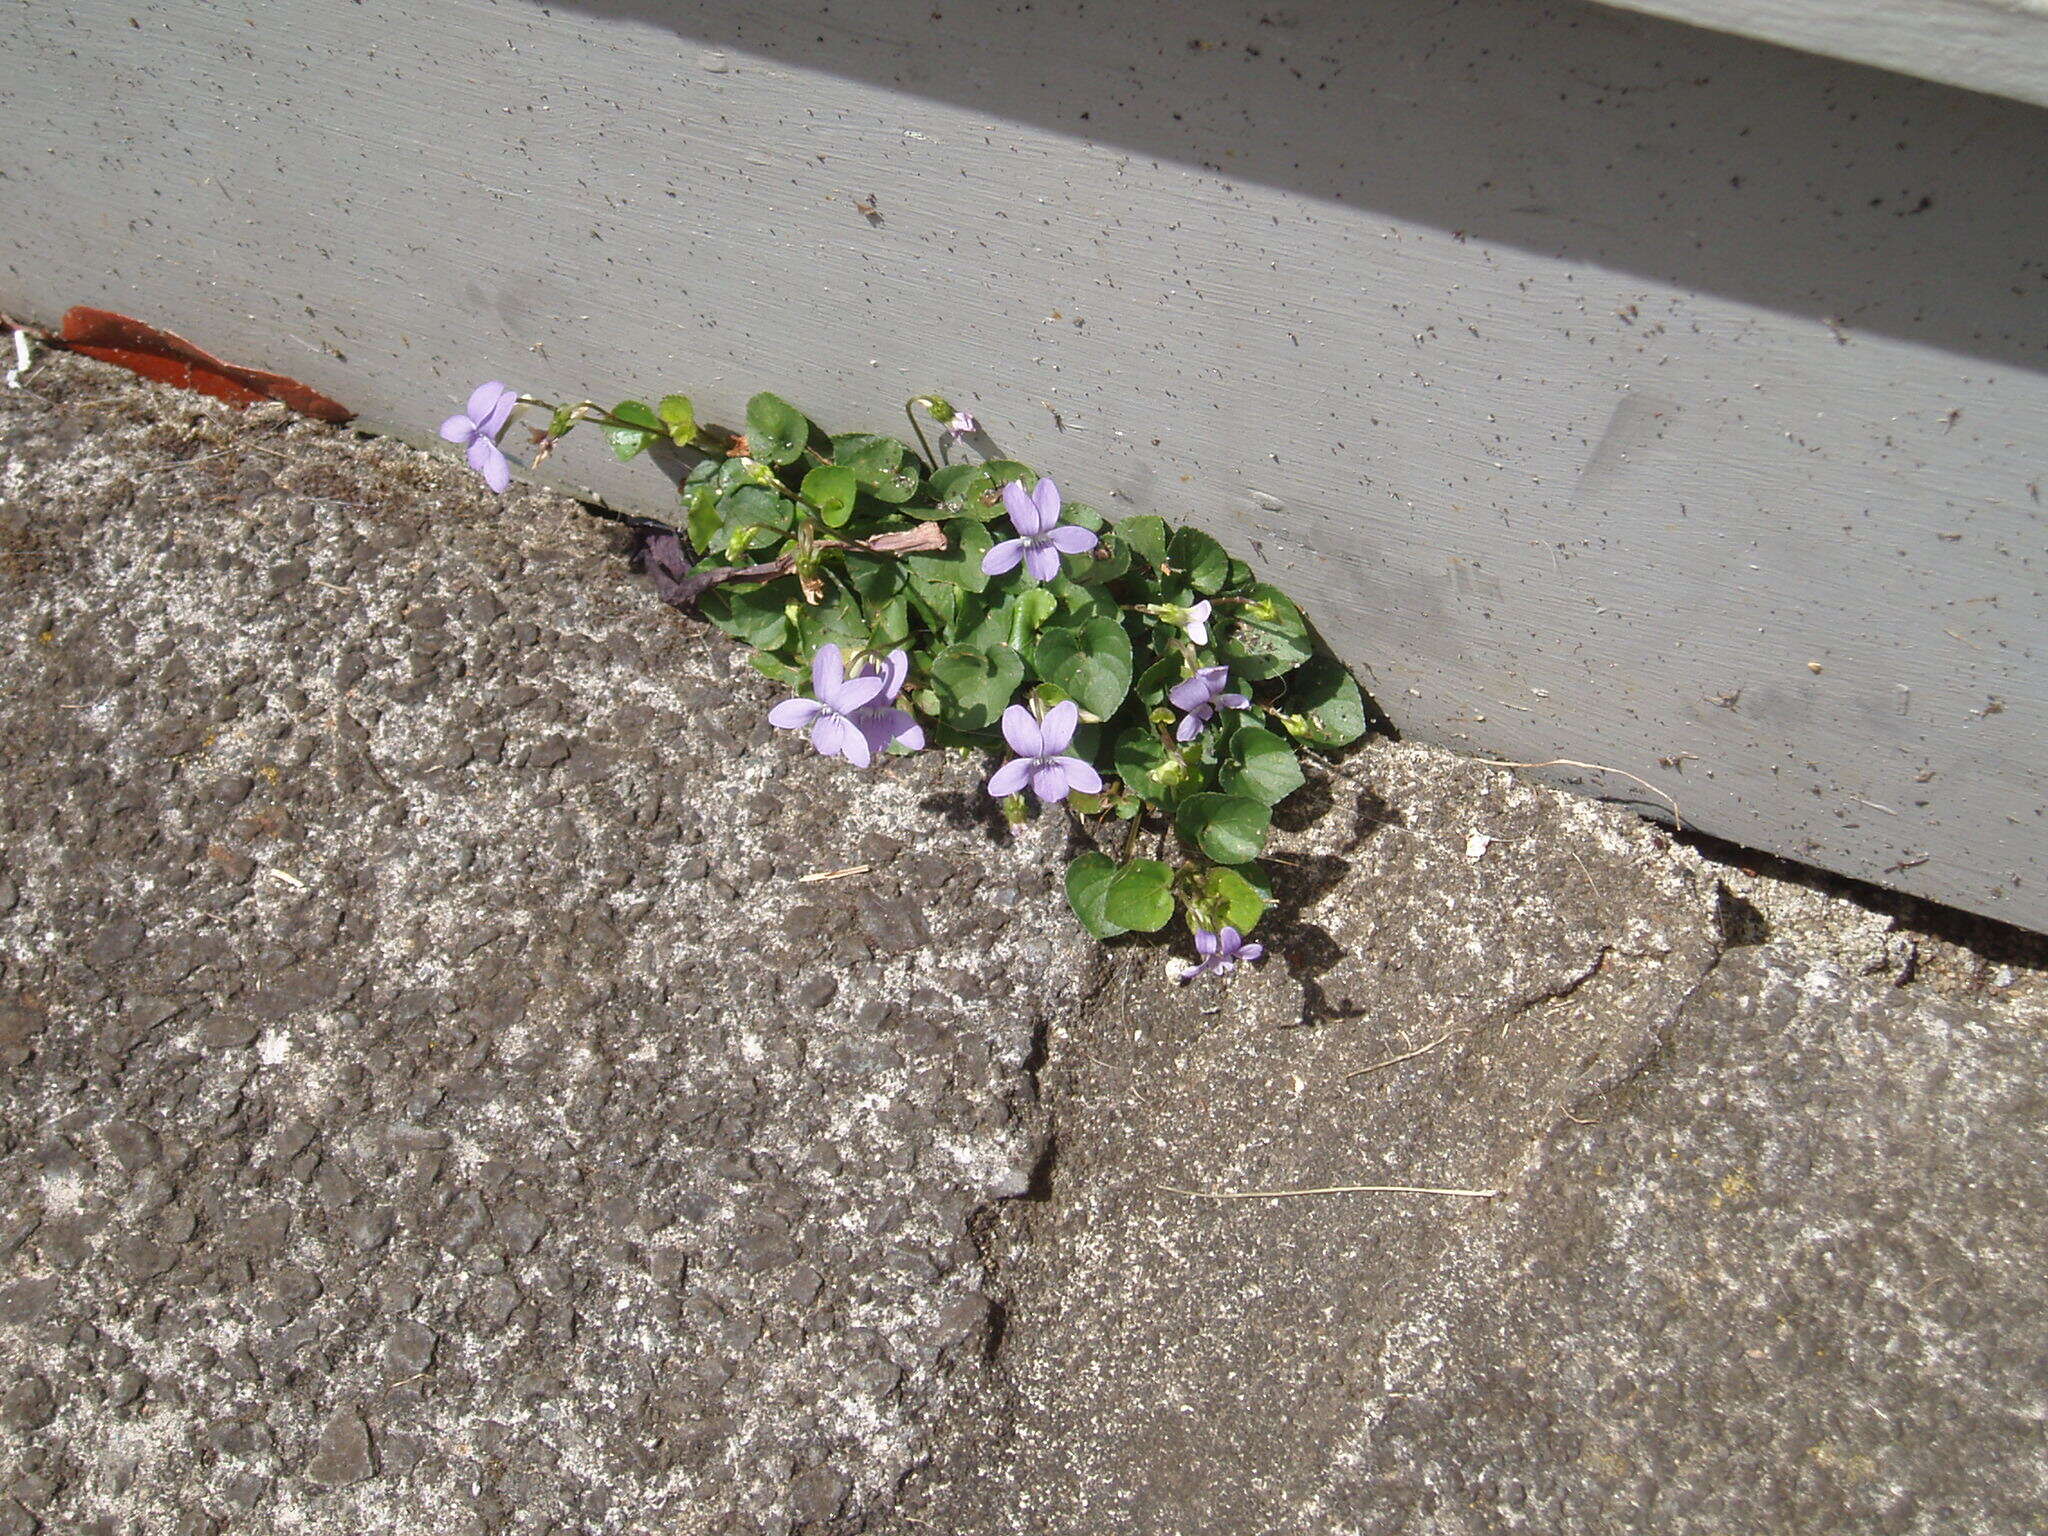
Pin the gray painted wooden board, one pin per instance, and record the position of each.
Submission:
(1987, 45)
(1607, 389)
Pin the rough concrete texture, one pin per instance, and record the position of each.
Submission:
(438, 1101)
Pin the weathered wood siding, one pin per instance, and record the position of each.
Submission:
(1987, 45)
(1607, 389)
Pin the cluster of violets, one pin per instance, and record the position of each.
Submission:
(856, 715)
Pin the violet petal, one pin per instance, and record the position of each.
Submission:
(483, 400)
(855, 693)
(1081, 775)
(1011, 777)
(1049, 779)
(1045, 496)
(1021, 730)
(1056, 732)
(493, 420)
(1024, 514)
(487, 461)
(828, 671)
(1003, 558)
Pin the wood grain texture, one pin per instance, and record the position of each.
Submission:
(1606, 389)
(1986, 45)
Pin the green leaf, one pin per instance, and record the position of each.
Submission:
(1144, 535)
(1115, 561)
(756, 612)
(958, 489)
(831, 488)
(889, 623)
(969, 490)
(1138, 754)
(1323, 704)
(1200, 559)
(705, 524)
(1088, 882)
(878, 464)
(1091, 664)
(700, 495)
(1012, 619)
(1081, 515)
(1223, 897)
(975, 686)
(1267, 636)
(757, 507)
(1084, 602)
(774, 668)
(1262, 767)
(960, 565)
(643, 429)
(875, 579)
(1154, 682)
(1140, 896)
(776, 430)
(1230, 829)
(679, 417)
(839, 619)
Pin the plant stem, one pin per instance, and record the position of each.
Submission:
(910, 410)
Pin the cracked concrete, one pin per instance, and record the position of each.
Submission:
(443, 1094)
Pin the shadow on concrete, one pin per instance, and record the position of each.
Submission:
(1851, 196)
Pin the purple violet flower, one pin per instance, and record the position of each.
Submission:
(1197, 622)
(477, 429)
(1042, 539)
(882, 722)
(1220, 953)
(961, 425)
(835, 731)
(1201, 696)
(1040, 746)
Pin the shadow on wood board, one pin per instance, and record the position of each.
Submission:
(1850, 196)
